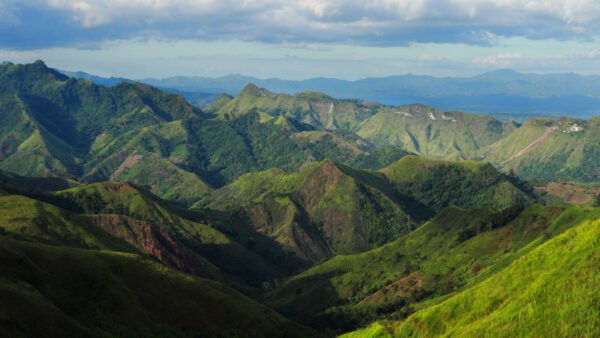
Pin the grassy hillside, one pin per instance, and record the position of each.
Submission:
(325, 209)
(246, 258)
(455, 251)
(58, 291)
(549, 291)
(549, 149)
(467, 184)
(416, 128)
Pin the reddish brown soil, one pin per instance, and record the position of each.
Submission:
(155, 242)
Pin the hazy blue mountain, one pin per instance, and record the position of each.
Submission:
(198, 99)
(504, 93)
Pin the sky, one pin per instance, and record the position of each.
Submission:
(300, 39)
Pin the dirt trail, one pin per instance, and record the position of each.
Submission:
(549, 131)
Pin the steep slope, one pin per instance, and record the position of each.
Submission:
(245, 259)
(53, 124)
(328, 208)
(417, 128)
(452, 252)
(50, 224)
(549, 291)
(176, 159)
(467, 184)
(323, 210)
(58, 291)
(547, 148)
(43, 183)
(208, 243)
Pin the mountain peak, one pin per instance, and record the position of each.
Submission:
(254, 90)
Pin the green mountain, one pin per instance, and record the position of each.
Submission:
(328, 208)
(60, 291)
(468, 184)
(323, 210)
(417, 128)
(551, 290)
(71, 127)
(546, 148)
(107, 274)
(456, 251)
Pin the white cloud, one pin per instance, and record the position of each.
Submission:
(367, 22)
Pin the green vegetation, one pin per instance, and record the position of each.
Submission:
(328, 208)
(549, 291)
(453, 252)
(325, 209)
(60, 291)
(467, 184)
(126, 211)
(566, 148)
(416, 128)
(57, 125)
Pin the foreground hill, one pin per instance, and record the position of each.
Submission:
(545, 148)
(455, 251)
(50, 290)
(104, 268)
(328, 208)
(417, 128)
(53, 124)
(551, 290)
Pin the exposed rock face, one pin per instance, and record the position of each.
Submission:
(150, 239)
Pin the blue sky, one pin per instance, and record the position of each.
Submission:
(347, 39)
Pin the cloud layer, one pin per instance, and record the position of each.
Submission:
(30, 24)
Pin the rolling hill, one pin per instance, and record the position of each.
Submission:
(55, 125)
(328, 208)
(57, 291)
(104, 273)
(545, 148)
(417, 128)
(549, 290)
(457, 250)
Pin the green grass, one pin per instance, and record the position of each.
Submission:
(550, 291)
(218, 241)
(455, 251)
(49, 290)
(409, 127)
(50, 224)
(323, 210)
(566, 153)
(467, 184)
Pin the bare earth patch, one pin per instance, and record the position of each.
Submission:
(101, 135)
(128, 163)
(571, 194)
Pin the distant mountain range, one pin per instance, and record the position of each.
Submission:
(505, 94)
(196, 98)
(502, 93)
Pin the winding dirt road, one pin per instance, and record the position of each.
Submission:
(549, 131)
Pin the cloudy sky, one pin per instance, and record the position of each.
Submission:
(291, 39)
